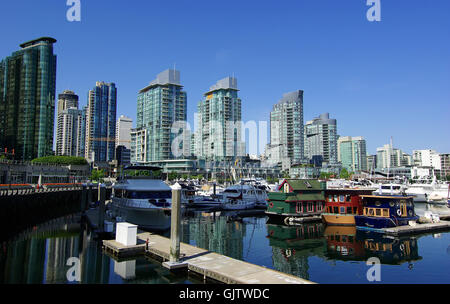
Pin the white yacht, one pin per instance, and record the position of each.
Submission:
(439, 197)
(142, 200)
(427, 191)
(243, 196)
(389, 189)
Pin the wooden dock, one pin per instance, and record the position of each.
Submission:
(409, 230)
(203, 262)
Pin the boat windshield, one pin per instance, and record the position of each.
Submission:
(231, 191)
(148, 194)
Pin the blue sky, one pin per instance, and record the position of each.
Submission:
(378, 79)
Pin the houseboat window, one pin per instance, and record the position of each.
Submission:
(386, 212)
(349, 210)
(299, 208)
(348, 198)
(335, 210)
(341, 198)
(330, 198)
(355, 210)
(378, 203)
(336, 198)
(319, 206)
(370, 212)
(391, 204)
(310, 207)
(342, 210)
(378, 212)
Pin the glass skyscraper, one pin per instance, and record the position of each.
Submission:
(162, 103)
(27, 99)
(101, 123)
(352, 153)
(286, 130)
(321, 138)
(219, 123)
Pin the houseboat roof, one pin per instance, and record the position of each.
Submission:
(387, 196)
(351, 189)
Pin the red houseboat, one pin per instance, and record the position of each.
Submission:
(342, 204)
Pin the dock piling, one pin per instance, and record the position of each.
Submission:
(174, 258)
(101, 211)
(83, 198)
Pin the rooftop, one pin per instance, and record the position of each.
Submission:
(37, 41)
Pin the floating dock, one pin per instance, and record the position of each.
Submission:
(409, 230)
(203, 262)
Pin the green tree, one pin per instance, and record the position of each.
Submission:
(325, 175)
(173, 176)
(60, 160)
(97, 175)
(344, 174)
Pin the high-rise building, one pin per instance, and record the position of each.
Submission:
(219, 130)
(390, 157)
(160, 104)
(286, 130)
(123, 131)
(83, 131)
(68, 133)
(445, 165)
(321, 138)
(427, 158)
(68, 99)
(101, 123)
(27, 99)
(69, 125)
(352, 153)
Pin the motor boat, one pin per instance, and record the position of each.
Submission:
(243, 196)
(140, 197)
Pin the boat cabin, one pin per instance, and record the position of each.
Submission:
(297, 198)
(342, 204)
(386, 211)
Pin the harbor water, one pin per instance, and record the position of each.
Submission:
(65, 251)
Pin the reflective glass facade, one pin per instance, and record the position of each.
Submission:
(27, 100)
(101, 123)
(159, 105)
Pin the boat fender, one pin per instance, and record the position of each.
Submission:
(271, 205)
(402, 247)
(399, 212)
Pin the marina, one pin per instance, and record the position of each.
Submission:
(314, 252)
(212, 240)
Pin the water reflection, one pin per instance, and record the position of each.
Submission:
(41, 254)
(220, 232)
(348, 243)
(292, 245)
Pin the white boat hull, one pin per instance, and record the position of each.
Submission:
(145, 218)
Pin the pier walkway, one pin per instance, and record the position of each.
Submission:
(203, 262)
